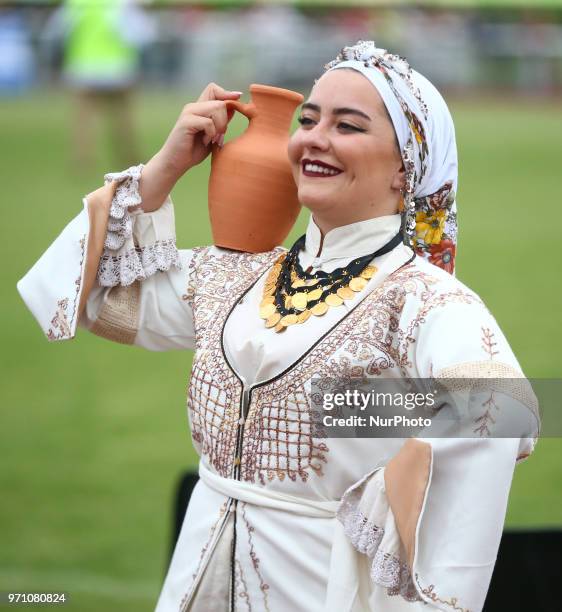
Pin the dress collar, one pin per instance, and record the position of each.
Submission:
(353, 240)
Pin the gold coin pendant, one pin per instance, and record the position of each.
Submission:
(319, 309)
(304, 316)
(299, 301)
(357, 284)
(333, 300)
(345, 293)
(315, 294)
(369, 272)
(273, 320)
(267, 310)
(289, 319)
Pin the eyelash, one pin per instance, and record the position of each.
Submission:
(346, 126)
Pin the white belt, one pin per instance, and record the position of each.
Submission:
(343, 579)
(260, 496)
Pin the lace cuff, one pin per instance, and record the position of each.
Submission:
(369, 524)
(137, 244)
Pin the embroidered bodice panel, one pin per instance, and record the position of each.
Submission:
(377, 338)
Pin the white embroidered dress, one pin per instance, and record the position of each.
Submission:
(281, 520)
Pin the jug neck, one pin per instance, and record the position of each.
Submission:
(274, 113)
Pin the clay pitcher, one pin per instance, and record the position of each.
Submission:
(253, 200)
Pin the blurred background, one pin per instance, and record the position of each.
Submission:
(94, 436)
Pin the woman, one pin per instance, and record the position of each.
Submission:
(282, 518)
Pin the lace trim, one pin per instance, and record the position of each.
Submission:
(387, 570)
(123, 268)
(137, 263)
(120, 225)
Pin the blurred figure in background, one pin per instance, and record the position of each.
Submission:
(102, 42)
(17, 64)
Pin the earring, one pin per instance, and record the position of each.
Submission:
(407, 202)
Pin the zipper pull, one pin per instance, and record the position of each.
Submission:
(245, 401)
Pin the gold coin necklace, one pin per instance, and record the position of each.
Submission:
(291, 295)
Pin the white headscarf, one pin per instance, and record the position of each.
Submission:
(426, 136)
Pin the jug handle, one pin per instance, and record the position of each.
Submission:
(248, 110)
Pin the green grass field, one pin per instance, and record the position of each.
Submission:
(94, 435)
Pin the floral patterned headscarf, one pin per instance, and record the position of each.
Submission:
(426, 136)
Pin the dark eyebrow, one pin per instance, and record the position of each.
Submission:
(337, 111)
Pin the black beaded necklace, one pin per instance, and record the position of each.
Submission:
(292, 295)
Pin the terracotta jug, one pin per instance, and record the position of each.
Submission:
(253, 200)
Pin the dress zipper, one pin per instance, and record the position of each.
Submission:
(244, 403)
(243, 413)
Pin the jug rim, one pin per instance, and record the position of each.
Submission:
(270, 89)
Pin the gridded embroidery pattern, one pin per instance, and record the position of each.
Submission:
(278, 441)
(215, 391)
(213, 412)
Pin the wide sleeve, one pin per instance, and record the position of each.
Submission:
(430, 521)
(141, 290)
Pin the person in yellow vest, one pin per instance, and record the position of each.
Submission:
(102, 46)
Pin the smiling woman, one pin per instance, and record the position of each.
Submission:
(285, 517)
(347, 137)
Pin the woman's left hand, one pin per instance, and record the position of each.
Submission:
(199, 125)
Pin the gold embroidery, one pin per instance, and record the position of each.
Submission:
(242, 592)
(484, 420)
(61, 324)
(429, 592)
(264, 587)
(197, 254)
(488, 343)
(278, 439)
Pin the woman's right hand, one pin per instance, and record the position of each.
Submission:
(199, 125)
